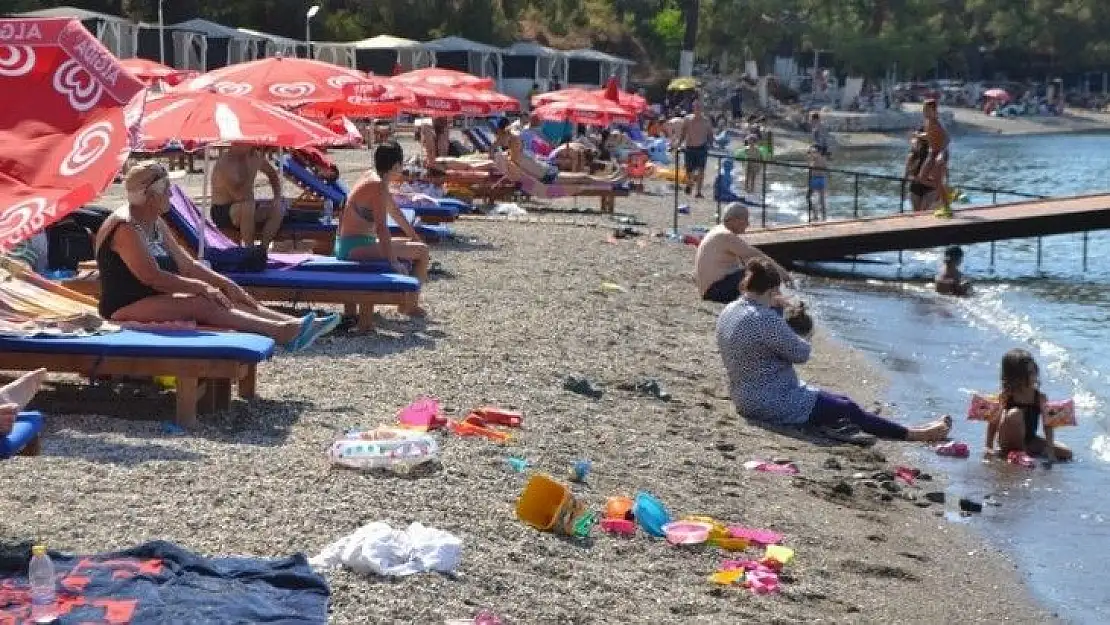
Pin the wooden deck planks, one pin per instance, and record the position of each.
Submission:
(836, 239)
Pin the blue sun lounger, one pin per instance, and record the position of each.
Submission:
(25, 429)
(447, 209)
(218, 359)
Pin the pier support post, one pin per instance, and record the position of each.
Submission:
(1085, 247)
(1040, 251)
(992, 257)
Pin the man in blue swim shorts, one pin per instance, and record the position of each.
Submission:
(697, 132)
(818, 182)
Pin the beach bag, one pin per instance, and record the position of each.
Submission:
(251, 259)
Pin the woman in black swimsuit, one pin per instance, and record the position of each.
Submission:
(919, 191)
(145, 276)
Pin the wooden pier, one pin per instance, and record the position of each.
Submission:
(908, 231)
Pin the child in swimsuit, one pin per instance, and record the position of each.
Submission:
(949, 280)
(818, 182)
(1023, 405)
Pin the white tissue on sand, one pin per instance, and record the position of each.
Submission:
(378, 548)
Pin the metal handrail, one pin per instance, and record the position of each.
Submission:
(856, 175)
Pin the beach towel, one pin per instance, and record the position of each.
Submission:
(159, 582)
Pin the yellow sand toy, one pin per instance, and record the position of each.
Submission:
(668, 174)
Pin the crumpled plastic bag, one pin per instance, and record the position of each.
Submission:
(379, 549)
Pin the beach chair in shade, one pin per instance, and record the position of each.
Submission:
(445, 209)
(606, 191)
(24, 437)
(207, 361)
(184, 221)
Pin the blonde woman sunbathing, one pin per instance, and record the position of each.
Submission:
(147, 277)
(436, 141)
(509, 141)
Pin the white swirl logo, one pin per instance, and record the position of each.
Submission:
(22, 219)
(88, 146)
(232, 88)
(16, 60)
(78, 85)
(337, 82)
(292, 89)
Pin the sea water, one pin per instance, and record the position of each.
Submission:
(938, 350)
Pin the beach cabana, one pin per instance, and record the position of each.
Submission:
(117, 34)
(216, 45)
(526, 63)
(276, 45)
(380, 54)
(593, 68)
(465, 55)
(336, 53)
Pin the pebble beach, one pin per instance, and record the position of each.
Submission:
(521, 304)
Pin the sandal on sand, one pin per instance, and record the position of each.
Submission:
(845, 433)
(297, 344)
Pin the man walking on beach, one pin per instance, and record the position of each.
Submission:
(697, 131)
(935, 170)
(722, 254)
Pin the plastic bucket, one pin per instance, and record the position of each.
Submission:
(650, 514)
(548, 505)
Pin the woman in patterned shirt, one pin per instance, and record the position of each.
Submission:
(760, 350)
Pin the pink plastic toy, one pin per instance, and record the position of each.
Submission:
(953, 449)
(687, 532)
(759, 537)
(771, 467)
(620, 527)
(761, 582)
(422, 415)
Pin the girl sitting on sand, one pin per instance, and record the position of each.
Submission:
(1023, 405)
(760, 350)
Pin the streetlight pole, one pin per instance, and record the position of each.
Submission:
(161, 35)
(308, 27)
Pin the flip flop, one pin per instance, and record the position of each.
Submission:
(296, 344)
(329, 323)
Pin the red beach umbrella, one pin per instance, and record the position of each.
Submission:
(630, 101)
(592, 112)
(439, 77)
(562, 95)
(152, 71)
(997, 94)
(279, 80)
(374, 97)
(194, 119)
(69, 130)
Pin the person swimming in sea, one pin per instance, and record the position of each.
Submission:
(949, 279)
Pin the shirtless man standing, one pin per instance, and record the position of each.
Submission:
(233, 205)
(696, 135)
(935, 170)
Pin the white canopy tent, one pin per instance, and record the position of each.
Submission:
(481, 60)
(117, 34)
(215, 44)
(276, 45)
(409, 54)
(527, 63)
(608, 65)
(336, 53)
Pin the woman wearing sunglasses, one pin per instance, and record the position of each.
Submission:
(147, 277)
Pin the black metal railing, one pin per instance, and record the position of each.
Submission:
(872, 194)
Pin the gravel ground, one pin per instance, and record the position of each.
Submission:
(521, 308)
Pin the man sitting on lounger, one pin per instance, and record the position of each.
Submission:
(364, 227)
(510, 141)
(147, 277)
(233, 205)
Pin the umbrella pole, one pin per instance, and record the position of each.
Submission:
(205, 210)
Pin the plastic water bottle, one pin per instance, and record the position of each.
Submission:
(41, 577)
(329, 211)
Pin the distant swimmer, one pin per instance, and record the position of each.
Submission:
(949, 280)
